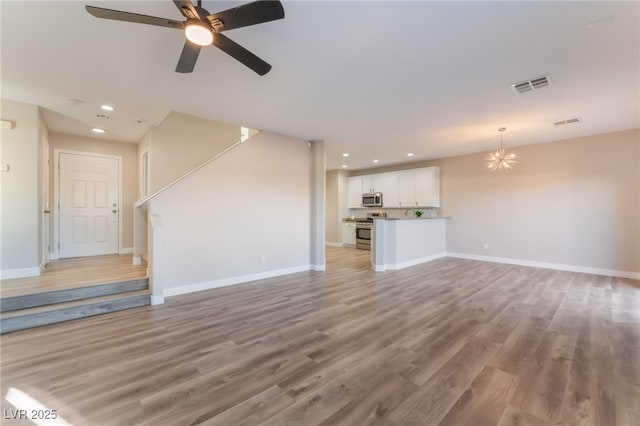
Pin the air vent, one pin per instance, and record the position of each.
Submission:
(569, 121)
(104, 116)
(531, 85)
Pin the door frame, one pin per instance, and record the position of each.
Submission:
(45, 196)
(56, 195)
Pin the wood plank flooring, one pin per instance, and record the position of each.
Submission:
(75, 272)
(450, 342)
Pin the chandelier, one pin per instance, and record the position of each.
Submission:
(501, 159)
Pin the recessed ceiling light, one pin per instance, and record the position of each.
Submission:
(344, 166)
(97, 130)
(106, 107)
(410, 154)
(345, 154)
(376, 161)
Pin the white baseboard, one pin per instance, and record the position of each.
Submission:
(125, 250)
(330, 244)
(318, 267)
(402, 265)
(547, 265)
(6, 274)
(53, 256)
(137, 261)
(157, 299)
(224, 282)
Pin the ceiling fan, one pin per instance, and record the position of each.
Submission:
(203, 28)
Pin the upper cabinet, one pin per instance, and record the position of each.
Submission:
(372, 183)
(428, 187)
(406, 188)
(389, 189)
(419, 187)
(355, 192)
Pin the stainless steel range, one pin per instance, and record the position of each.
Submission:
(364, 230)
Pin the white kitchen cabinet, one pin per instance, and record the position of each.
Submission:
(354, 198)
(390, 195)
(419, 187)
(428, 187)
(349, 234)
(407, 188)
(372, 183)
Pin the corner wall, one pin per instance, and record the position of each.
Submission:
(20, 253)
(336, 204)
(245, 216)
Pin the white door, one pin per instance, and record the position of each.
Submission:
(88, 205)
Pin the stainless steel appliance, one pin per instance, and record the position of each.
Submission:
(373, 199)
(364, 230)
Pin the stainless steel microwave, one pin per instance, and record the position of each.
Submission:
(373, 199)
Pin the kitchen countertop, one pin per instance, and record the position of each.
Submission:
(360, 219)
(355, 219)
(412, 218)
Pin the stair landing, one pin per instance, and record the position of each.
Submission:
(71, 289)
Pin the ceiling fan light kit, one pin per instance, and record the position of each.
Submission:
(203, 28)
(198, 33)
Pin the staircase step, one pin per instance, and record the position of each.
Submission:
(51, 314)
(26, 301)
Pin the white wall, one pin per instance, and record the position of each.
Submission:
(19, 213)
(214, 227)
(336, 204)
(182, 142)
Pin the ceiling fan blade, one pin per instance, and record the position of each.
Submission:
(249, 14)
(188, 57)
(188, 10)
(238, 52)
(119, 15)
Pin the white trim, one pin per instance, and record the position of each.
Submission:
(42, 266)
(319, 268)
(20, 273)
(402, 265)
(137, 260)
(223, 282)
(157, 299)
(126, 250)
(56, 194)
(330, 244)
(53, 256)
(547, 265)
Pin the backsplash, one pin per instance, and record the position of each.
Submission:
(393, 212)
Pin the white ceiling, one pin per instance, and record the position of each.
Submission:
(376, 79)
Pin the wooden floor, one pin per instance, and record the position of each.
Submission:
(451, 342)
(79, 271)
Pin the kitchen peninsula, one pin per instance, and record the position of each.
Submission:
(398, 243)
